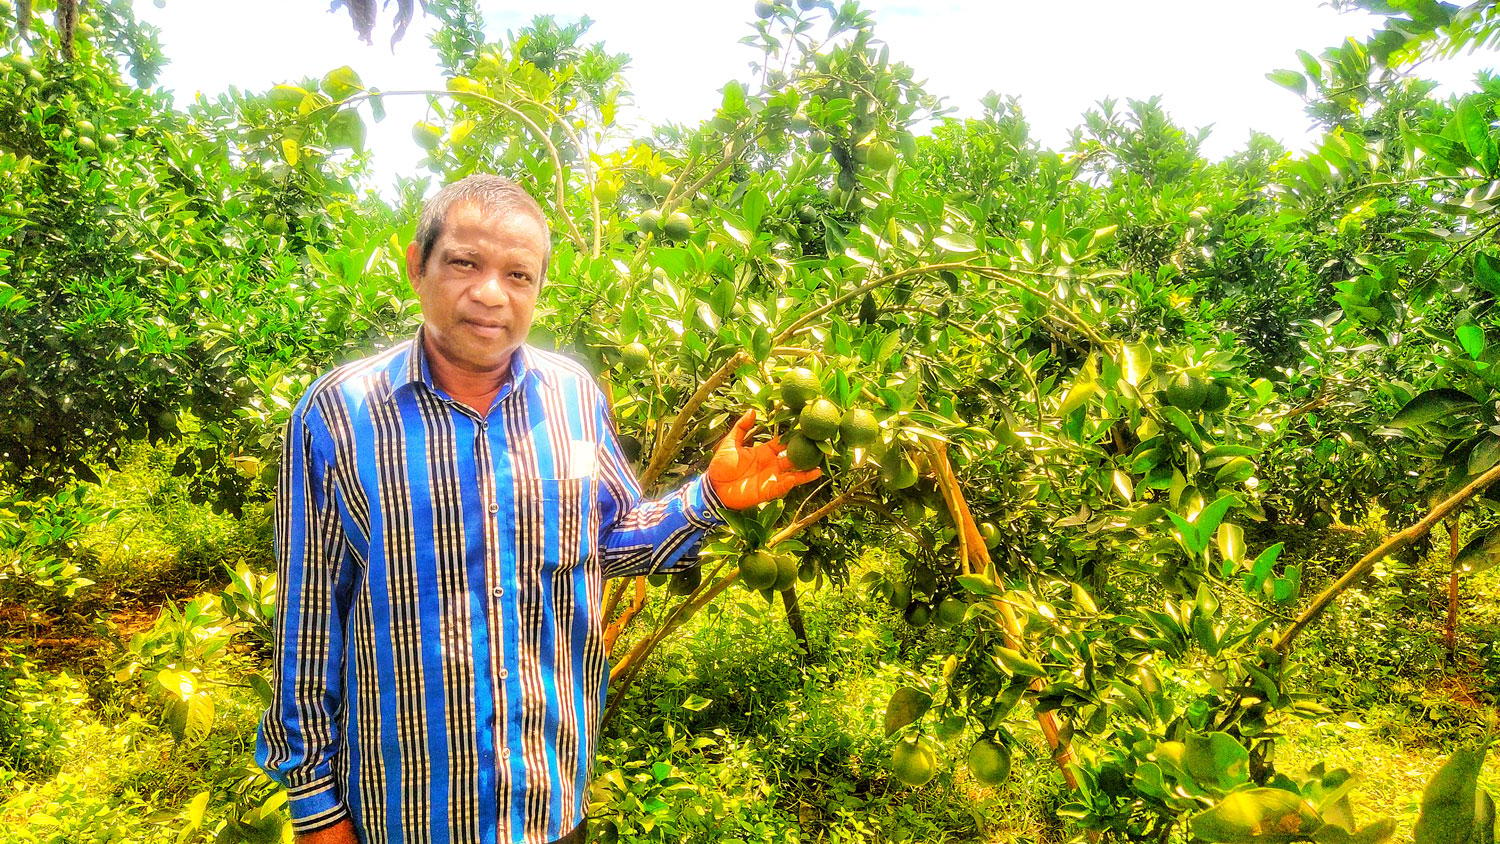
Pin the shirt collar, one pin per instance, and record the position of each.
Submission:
(523, 364)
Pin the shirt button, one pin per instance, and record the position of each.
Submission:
(504, 673)
(494, 508)
(505, 754)
(498, 591)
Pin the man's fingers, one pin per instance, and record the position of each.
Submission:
(742, 427)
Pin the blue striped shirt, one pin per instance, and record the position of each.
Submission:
(439, 662)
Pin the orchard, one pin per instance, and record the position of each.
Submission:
(1158, 494)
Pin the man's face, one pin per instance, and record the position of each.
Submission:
(478, 289)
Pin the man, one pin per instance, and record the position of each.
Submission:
(447, 515)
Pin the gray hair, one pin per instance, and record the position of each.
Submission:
(488, 191)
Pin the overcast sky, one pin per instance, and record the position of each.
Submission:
(1206, 58)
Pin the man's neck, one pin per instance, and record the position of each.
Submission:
(474, 389)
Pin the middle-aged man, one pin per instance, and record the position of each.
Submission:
(448, 512)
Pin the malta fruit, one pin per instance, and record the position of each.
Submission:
(758, 570)
(1186, 392)
(685, 581)
(913, 762)
(859, 428)
(649, 221)
(635, 356)
(426, 135)
(819, 420)
(798, 387)
(764, 9)
(991, 535)
(803, 452)
(918, 614)
(989, 762)
(950, 613)
(677, 226)
(807, 570)
(786, 572)
(1216, 398)
(880, 155)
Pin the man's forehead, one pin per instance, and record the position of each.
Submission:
(472, 226)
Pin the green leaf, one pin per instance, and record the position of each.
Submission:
(1433, 404)
(1487, 273)
(1231, 542)
(905, 707)
(1077, 396)
(959, 244)
(979, 585)
(1484, 455)
(1256, 816)
(696, 703)
(1471, 337)
(1448, 802)
(346, 131)
(1217, 761)
(1208, 520)
(1482, 552)
(1014, 663)
(341, 83)
(753, 207)
(1261, 568)
(1291, 80)
(1237, 470)
(1135, 362)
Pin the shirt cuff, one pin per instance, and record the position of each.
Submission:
(703, 507)
(315, 805)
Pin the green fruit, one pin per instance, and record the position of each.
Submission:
(895, 471)
(426, 134)
(86, 144)
(803, 452)
(1186, 392)
(109, 143)
(649, 221)
(85, 127)
(635, 357)
(685, 581)
(859, 428)
(656, 579)
(817, 142)
(798, 387)
(913, 762)
(35, 76)
(900, 596)
(758, 570)
(951, 727)
(880, 155)
(764, 9)
(950, 613)
(677, 226)
(807, 570)
(991, 535)
(786, 572)
(819, 420)
(989, 762)
(807, 5)
(1216, 398)
(918, 614)
(807, 214)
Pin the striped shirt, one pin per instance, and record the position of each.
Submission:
(439, 663)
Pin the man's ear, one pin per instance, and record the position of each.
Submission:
(413, 264)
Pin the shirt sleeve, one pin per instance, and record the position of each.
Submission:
(302, 728)
(640, 536)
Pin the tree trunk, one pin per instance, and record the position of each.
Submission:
(794, 619)
(1450, 627)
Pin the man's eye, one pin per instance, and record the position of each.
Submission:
(460, 262)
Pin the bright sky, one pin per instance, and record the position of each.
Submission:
(1207, 58)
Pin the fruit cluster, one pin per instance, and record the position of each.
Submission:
(819, 421)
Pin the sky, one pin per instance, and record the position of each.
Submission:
(1206, 58)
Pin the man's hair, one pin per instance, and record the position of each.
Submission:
(488, 191)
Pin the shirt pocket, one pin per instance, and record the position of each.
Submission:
(567, 511)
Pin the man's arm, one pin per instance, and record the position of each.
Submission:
(301, 730)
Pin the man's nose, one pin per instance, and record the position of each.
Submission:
(490, 291)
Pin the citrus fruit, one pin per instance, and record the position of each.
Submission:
(426, 134)
(817, 142)
(685, 581)
(807, 570)
(989, 762)
(85, 127)
(1216, 398)
(951, 612)
(806, 5)
(786, 572)
(951, 727)
(913, 762)
(900, 595)
(819, 420)
(764, 9)
(880, 155)
(918, 614)
(803, 452)
(991, 535)
(807, 214)
(635, 356)
(649, 221)
(758, 570)
(1186, 392)
(798, 387)
(677, 226)
(109, 143)
(859, 428)
(86, 143)
(656, 579)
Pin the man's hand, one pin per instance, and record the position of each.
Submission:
(746, 476)
(340, 833)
